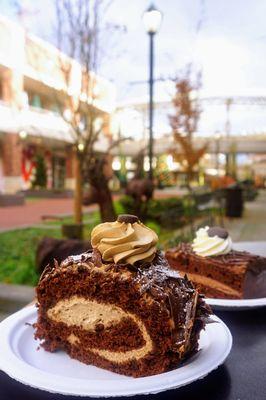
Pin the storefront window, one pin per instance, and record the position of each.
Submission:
(59, 172)
(36, 101)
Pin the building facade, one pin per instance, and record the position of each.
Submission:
(32, 132)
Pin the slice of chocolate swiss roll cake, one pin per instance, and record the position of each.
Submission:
(120, 306)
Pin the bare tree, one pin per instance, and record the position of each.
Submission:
(98, 173)
(184, 123)
(79, 30)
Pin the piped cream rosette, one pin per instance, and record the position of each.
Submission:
(212, 242)
(125, 240)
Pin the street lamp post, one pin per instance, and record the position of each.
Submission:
(228, 104)
(152, 20)
(217, 150)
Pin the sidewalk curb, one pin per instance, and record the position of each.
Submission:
(14, 297)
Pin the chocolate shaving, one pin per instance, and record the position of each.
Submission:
(47, 270)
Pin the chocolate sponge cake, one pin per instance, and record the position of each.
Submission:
(120, 306)
(216, 269)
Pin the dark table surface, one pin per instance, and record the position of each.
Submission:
(241, 377)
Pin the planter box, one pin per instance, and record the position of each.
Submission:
(72, 231)
(49, 194)
(7, 200)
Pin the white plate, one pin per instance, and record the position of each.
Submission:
(58, 373)
(236, 305)
(258, 248)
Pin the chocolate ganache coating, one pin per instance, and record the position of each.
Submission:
(160, 282)
(235, 275)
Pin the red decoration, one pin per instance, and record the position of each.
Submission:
(28, 163)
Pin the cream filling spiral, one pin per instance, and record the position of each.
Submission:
(205, 246)
(124, 242)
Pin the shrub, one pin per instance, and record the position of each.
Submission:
(164, 212)
(40, 178)
(167, 212)
(176, 239)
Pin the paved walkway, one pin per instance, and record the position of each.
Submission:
(31, 213)
(13, 298)
(252, 227)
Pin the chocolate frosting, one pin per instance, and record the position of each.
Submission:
(255, 266)
(235, 257)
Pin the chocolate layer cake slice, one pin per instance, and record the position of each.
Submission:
(216, 269)
(134, 315)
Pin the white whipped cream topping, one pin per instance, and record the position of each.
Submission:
(205, 246)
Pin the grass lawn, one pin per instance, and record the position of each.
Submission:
(18, 247)
(17, 255)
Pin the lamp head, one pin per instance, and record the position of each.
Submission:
(152, 19)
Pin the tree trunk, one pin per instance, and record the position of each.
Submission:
(78, 191)
(191, 216)
(106, 206)
(189, 178)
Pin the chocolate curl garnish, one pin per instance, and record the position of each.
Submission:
(218, 231)
(127, 218)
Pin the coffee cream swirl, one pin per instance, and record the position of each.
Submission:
(124, 242)
(205, 245)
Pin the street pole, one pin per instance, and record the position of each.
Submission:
(151, 80)
(152, 20)
(217, 150)
(228, 104)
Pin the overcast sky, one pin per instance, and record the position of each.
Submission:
(230, 47)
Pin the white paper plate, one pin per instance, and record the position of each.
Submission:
(57, 373)
(236, 305)
(258, 248)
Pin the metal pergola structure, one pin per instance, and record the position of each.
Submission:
(237, 100)
(250, 144)
(227, 101)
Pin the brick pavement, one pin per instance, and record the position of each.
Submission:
(31, 213)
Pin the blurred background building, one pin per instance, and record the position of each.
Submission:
(31, 129)
(233, 126)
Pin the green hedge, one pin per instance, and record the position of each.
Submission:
(168, 213)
